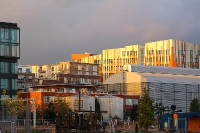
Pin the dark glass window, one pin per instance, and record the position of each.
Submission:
(14, 68)
(4, 67)
(4, 84)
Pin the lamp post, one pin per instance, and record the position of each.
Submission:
(160, 106)
(162, 98)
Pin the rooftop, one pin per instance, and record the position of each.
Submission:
(163, 70)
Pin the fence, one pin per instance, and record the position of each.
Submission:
(177, 125)
(7, 126)
(178, 94)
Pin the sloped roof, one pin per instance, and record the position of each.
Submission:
(169, 78)
(164, 70)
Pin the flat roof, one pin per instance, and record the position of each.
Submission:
(8, 24)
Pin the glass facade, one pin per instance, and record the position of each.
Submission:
(9, 55)
(9, 42)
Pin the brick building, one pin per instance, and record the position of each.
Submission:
(66, 73)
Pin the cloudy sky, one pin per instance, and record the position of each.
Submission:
(51, 30)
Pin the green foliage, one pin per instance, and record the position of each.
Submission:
(49, 112)
(97, 105)
(62, 109)
(14, 107)
(39, 112)
(194, 105)
(146, 112)
(134, 112)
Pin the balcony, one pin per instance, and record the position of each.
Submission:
(22, 80)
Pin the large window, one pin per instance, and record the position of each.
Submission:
(86, 68)
(9, 42)
(94, 68)
(14, 68)
(48, 99)
(79, 67)
(131, 101)
(4, 49)
(4, 67)
(14, 84)
(4, 84)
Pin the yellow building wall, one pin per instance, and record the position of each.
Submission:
(172, 53)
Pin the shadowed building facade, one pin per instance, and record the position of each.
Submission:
(9, 55)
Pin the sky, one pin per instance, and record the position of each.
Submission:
(51, 30)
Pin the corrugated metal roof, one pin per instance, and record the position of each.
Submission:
(168, 78)
(164, 70)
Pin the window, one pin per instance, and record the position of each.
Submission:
(79, 67)
(48, 99)
(79, 72)
(94, 68)
(28, 70)
(123, 53)
(81, 80)
(4, 67)
(14, 84)
(88, 81)
(4, 49)
(131, 52)
(191, 59)
(86, 68)
(4, 84)
(14, 68)
(87, 73)
(94, 73)
(198, 52)
(13, 35)
(191, 52)
(131, 101)
(180, 52)
(4, 33)
(127, 53)
(96, 81)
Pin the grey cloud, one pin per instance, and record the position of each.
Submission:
(53, 29)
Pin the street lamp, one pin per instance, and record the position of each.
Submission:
(162, 98)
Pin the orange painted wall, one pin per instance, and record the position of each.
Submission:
(78, 56)
(194, 124)
(37, 96)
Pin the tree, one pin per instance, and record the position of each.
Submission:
(62, 109)
(97, 105)
(194, 105)
(134, 112)
(146, 112)
(14, 107)
(49, 112)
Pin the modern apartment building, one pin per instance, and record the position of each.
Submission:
(172, 53)
(112, 60)
(166, 53)
(26, 78)
(78, 57)
(9, 55)
(66, 73)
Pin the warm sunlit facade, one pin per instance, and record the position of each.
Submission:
(112, 60)
(78, 57)
(172, 53)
